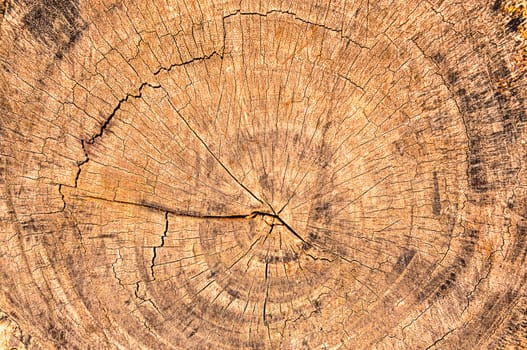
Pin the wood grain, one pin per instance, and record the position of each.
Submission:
(263, 175)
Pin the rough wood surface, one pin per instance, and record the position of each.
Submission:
(263, 174)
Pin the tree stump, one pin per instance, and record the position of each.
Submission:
(263, 175)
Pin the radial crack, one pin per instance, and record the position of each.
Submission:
(434, 344)
(94, 137)
(219, 160)
(140, 92)
(106, 123)
(163, 236)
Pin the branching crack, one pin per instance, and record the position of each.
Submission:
(140, 92)
(81, 163)
(187, 214)
(143, 299)
(163, 236)
(92, 139)
(108, 120)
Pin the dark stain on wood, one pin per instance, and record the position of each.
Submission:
(436, 203)
(193, 332)
(322, 211)
(286, 258)
(496, 5)
(519, 249)
(403, 261)
(452, 76)
(233, 293)
(476, 172)
(438, 58)
(55, 23)
(440, 285)
(514, 24)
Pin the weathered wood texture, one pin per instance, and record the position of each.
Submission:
(263, 174)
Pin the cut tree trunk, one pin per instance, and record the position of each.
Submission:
(263, 174)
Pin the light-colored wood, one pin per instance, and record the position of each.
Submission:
(263, 174)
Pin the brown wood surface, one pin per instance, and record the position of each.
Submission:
(263, 174)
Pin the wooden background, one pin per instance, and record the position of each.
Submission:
(263, 174)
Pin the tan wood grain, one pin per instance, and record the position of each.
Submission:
(263, 175)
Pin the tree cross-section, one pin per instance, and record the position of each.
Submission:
(213, 174)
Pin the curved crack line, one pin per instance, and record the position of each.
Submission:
(94, 137)
(297, 18)
(106, 123)
(139, 95)
(99, 134)
(120, 103)
(108, 120)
